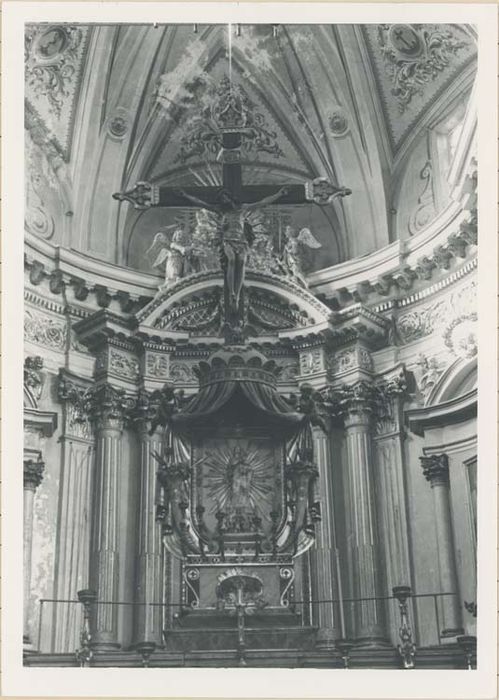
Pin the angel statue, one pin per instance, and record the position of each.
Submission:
(173, 254)
(291, 258)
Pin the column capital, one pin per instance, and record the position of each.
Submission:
(108, 406)
(33, 473)
(353, 402)
(436, 469)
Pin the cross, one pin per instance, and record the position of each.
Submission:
(400, 35)
(231, 120)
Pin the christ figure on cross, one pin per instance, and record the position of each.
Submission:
(236, 234)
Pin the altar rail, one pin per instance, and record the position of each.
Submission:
(422, 617)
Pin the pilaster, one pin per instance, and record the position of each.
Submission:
(436, 471)
(33, 475)
(148, 618)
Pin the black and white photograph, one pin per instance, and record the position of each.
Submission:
(252, 323)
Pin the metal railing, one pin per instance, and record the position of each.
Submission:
(401, 595)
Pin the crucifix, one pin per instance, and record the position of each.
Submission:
(231, 202)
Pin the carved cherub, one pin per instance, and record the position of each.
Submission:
(291, 257)
(171, 253)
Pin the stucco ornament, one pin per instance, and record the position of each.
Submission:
(461, 336)
(414, 55)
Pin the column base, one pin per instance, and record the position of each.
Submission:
(104, 646)
(326, 639)
(451, 633)
(28, 647)
(372, 642)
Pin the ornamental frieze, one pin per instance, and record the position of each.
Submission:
(42, 329)
(428, 319)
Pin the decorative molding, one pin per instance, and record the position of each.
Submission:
(449, 412)
(425, 210)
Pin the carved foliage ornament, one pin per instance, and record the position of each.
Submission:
(42, 329)
(427, 319)
(414, 55)
(51, 61)
(225, 107)
(33, 376)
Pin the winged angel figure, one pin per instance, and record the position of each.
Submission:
(171, 254)
(291, 254)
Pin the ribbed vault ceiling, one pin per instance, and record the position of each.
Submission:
(112, 105)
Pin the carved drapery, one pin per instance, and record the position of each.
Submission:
(436, 471)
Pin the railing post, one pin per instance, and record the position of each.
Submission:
(467, 642)
(84, 654)
(406, 648)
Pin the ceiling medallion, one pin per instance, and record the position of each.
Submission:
(118, 125)
(338, 123)
(414, 55)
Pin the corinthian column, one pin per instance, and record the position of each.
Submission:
(33, 474)
(148, 618)
(107, 415)
(324, 554)
(436, 471)
(362, 535)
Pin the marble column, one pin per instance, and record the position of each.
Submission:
(362, 535)
(149, 566)
(436, 471)
(107, 415)
(324, 553)
(33, 475)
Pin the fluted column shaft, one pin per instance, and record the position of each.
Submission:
(148, 618)
(33, 474)
(362, 528)
(323, 554)
(436, 471)
(104, 553)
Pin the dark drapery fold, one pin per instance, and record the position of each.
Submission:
(214, 397)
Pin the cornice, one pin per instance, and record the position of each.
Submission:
(449, 412)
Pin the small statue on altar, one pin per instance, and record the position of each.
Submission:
(173, 254)
(291, 259)
(235, 234)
